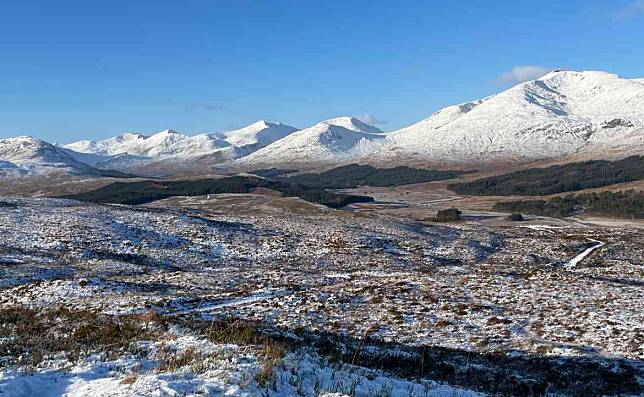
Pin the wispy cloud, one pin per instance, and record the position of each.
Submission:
(369, 119)
(631, 10)
(519, 74)
(203, 106)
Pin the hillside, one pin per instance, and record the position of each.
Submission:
(622, 204)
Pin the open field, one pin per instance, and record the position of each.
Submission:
(421, 201)
(370, 300)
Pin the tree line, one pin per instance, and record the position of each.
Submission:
(556, 179)
(143, 192)
(354, 175)
(622, 204)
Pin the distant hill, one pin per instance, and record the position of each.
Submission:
(169, 143)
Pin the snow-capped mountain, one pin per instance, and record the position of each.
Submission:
(558, 114)
(256, 135)
(162, 144)
(31, 156)
(169, 146)
(562, 115)
(330, 141)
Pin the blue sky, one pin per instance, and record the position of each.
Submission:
(74, 70)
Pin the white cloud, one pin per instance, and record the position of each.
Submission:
(519, 74)
(369, 119)
(631, 10)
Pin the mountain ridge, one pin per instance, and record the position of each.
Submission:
(563, 114)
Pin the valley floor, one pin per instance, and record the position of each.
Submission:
(368, 301)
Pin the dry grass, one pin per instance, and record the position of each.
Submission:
(29, 336)
(248, 333)
(266, 374)
(272, 354)
(129, 379)
(235, 331)
(33, 335)
(170, 361)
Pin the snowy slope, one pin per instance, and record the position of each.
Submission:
(619, 147)
(31, 156)
(232, 370)
(330, 141)
(556, 115)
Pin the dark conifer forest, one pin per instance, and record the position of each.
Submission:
(556, 179)
(623, 204)
(147, 191)
(354, 175)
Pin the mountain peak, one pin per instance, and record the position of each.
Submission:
(26, 139)
(262, 124)
(165, 138)
(168, 132)
(560, 76)
(259, 124)
(26, 155)
(258, 134)
(353, 124)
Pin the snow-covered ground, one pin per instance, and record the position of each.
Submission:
(217, 370)
(596, 245)
(455, 303)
